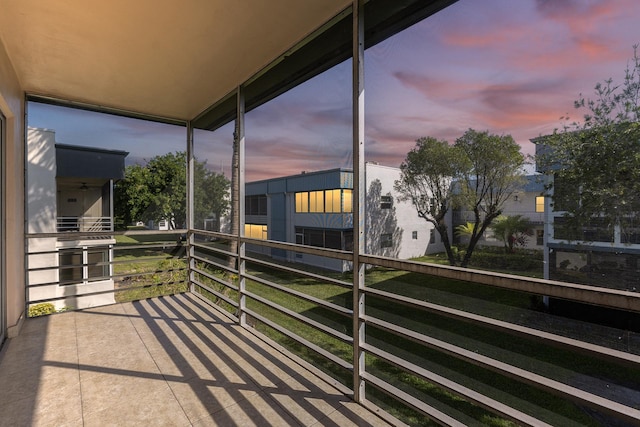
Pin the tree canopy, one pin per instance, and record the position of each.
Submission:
(478, 173)
(596, 162)
(157, 191)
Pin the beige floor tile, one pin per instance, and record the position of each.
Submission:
(143, 405)
(167, 361)
(256, 411)
(199, 398)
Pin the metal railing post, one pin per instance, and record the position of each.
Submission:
(358, 199)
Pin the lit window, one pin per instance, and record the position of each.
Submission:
(332, 201)
(255, 231)
(302, 202)
(539, 203)
(347, 201)
(316, 201)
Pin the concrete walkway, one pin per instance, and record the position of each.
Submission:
(168, 361)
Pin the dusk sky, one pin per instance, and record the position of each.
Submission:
(506, 66)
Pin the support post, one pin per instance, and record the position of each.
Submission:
(358, 199)
(190, 206)
(240, 140)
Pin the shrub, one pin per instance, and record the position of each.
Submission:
(41, 309)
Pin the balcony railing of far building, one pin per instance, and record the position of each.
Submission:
(84, 223)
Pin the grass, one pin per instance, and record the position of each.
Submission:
(149, 272)
(492, 302)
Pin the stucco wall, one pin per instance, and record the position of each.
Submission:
(12, 107)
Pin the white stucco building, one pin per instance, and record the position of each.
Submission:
(70, 190)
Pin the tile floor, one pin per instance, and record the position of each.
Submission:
(168, 361)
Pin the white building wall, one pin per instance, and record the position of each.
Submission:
(42, 218)
(401, 220)
(41, 205)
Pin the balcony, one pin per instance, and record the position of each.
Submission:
(161, 361)
(84, 224)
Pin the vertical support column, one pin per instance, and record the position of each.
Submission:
(190, 206)
(241, 205)
(358, 199)
(112, 217)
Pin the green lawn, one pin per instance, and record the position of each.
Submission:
(484, 300)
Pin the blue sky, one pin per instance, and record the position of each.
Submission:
(507, 66)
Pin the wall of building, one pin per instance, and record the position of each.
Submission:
(410, 234)
(12, 107)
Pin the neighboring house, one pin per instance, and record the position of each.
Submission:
(528, 202)
(597, 254)
(70, 190)
(316, 209)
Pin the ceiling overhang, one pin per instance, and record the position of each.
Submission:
(174, 60)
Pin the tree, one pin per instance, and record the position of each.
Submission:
(513, 231)
(157, 191)
(494, 170)
(211, 195)
(425, 180)
(596, 163)
(478, 173)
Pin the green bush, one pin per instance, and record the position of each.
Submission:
(41, 309)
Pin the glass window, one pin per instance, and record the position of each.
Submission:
(386, 202)
(386, 240)
(539, 203)
(333, 239)
(255, 231)
(70, 265)
(414, 235)
(256, 205)
(302, 202)
(347, 200)
(332, 201)
(97, 261)
(316, 201)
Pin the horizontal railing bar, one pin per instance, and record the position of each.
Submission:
(110, 291)
(216, 293)
(293, 247)
(217, 234)
(146, 259)
(301, 272)
(104, 233)
(605, 297)
(555, 387)
(329, 356)
(214, 306)
(216, 279)
(307, 321)
(118, 247)
(214, 263)
(214, 249)
(514, 329)
(326, 304)
(480, 399)
(420, 406)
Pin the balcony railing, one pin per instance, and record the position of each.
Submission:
(454, 345)
(84, 223)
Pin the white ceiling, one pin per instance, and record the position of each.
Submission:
(160, 57)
